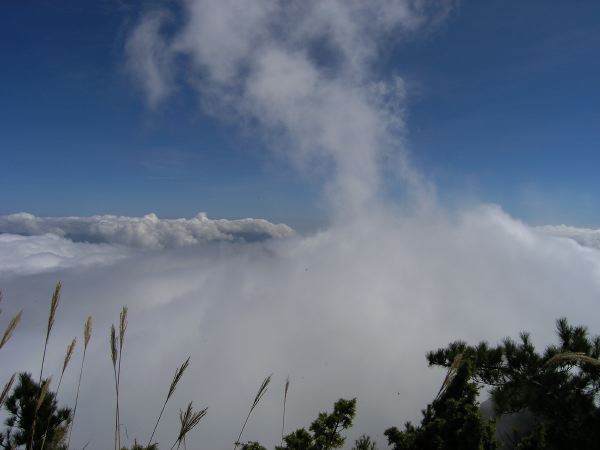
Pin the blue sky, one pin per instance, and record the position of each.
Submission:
(503, 106)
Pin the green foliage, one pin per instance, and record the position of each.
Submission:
(326, 429)
(364, 443)
(560, 387)
(324, 433)
(21, 407)
(452, 421)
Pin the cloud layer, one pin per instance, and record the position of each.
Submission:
(347, 312)
(144, 232)
(47, 252)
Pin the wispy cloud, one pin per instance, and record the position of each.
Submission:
(302, 71)
(149, 58)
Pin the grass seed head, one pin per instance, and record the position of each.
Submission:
(6, 389)
(261, 390)
(570, 357)
(87, 331)
(43, 392)
(53, 307)
(178, 374)
(69, 353)
(287, 386)
(122, 326)
(11, 328)
(113, 345)
(188, 419)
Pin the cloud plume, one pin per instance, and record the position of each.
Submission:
(302, 71)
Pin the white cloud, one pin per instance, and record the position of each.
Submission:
(583, 236)
(149, 58)
(48, 252)
(144, 232)
(301, 70)
(347, 312)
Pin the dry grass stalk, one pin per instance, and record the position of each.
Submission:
(43, 393)
(6, 389)
(285, 392)
(51, 316)
(122, 328)
(571, 357)
(87, 334)
(40, 400)
(450, 374)
(116, 351)
(188, 419)
(68, 355)
(178, 374)
(259, 395)
(113, 347)
(66, 360)
(11, 328)
(113, 356)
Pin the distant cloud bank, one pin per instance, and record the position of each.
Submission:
(148, 231)
(152, 232)
(583, 236)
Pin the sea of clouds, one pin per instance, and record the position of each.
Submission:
(349, 310)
